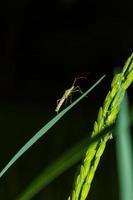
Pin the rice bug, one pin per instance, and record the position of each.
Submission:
(68, 93)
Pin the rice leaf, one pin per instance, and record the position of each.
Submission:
(124, 153)
(44, 129)
(63, 163)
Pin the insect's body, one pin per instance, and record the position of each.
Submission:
(65, 96)
(68, 93)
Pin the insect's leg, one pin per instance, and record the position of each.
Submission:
(58, 101)
(70, 99)
(78, 89)
(66, 100)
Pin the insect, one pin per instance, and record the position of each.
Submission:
(68, 93)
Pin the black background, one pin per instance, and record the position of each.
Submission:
(44, 45)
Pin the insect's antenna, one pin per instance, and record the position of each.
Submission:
(84, 74)
(79, 77)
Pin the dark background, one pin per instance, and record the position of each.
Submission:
(43, 46)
